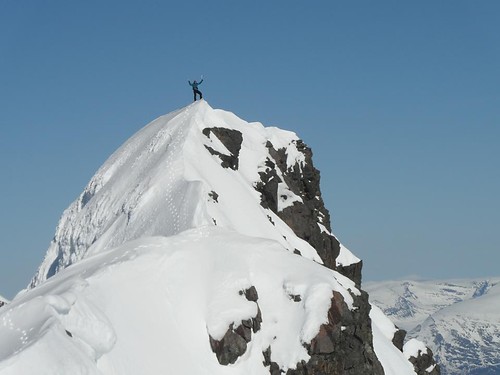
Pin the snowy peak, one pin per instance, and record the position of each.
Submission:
(199, 167)
(205, 239)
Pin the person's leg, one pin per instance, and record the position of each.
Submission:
(194, 93)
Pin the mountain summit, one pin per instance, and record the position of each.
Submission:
(202, 246)
(192, 168)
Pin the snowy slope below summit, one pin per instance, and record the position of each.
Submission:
(149, 306)
(168, 178)
(458, 319)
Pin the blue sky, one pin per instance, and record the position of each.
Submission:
(398, 100)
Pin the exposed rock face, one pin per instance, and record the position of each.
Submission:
(352, 271)
(231, 346)
(424, 364)
(304, 181)
(303, 217)
(399, 339)
(342, 346)
(232, 140)
(235, 340)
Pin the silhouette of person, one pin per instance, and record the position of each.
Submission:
(195, 85)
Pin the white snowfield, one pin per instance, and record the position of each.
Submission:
(458, 319)
(148, 307)
(148, 263)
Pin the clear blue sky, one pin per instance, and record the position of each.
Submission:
(399, 101)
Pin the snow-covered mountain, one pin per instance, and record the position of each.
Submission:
(458, 319)
(168, 178)
(201, 246)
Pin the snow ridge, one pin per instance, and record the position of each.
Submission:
(160, 183)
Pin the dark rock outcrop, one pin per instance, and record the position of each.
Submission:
(274, 369)
(302, 217)
(232, 140)
(305, 217)
(304, 181)
(235, 340)
(425, 364)
(399, 338)
(342, 346)
(214, 196)
(345, 344)
(352, 271)
(230, 347)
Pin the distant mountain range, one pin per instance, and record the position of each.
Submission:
(458, 319)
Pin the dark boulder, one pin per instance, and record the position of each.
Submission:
(235, 340)
(343, 345)
(424, 363)
(399, 339)
(230, 347)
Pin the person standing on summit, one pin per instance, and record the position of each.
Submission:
(195, 85)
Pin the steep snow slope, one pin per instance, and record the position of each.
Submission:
(178, 257)
(458, 319)
(389, 355)
(165, 180)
